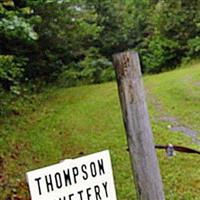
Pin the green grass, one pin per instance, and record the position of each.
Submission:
(62, 123)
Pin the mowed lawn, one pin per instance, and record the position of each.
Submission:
(67, 123)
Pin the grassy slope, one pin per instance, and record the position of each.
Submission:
(68, 122)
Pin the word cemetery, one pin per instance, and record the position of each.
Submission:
(85, 178)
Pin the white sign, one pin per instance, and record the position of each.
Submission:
(85, 178)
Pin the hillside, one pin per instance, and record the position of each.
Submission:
(67, 123)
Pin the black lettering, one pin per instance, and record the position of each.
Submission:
(75, 173)
(84, 168)
(105, 188)
(64, 198)
(67, 178)
(101, 167)
(70, 196)
(93, 169)
(97, 192)
(58, 180)
(88, 194)
(38, 182)
(80, 193)
(49, 183)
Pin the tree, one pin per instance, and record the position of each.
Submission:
(16, 33)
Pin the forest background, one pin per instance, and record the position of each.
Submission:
(71, 42)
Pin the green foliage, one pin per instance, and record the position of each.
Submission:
(17, 27)
(194, 46)
(11, 74)
(161, 51)
(16, 32)
(11, 71)
(94, 68)
(67, 30)
(176, 24)
(70, 75)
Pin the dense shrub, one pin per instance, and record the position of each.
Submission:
(160, 54)
(11, 72)
(94, 68)
(194, 47)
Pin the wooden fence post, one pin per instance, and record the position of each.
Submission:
(138, 129)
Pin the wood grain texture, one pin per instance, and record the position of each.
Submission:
(138, 129)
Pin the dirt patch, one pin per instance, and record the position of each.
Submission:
(185, 130)
(174, 124)
(189, 132)
(168, 119)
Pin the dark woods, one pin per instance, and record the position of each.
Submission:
(70, 42)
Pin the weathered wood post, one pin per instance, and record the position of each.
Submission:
(138, 129)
